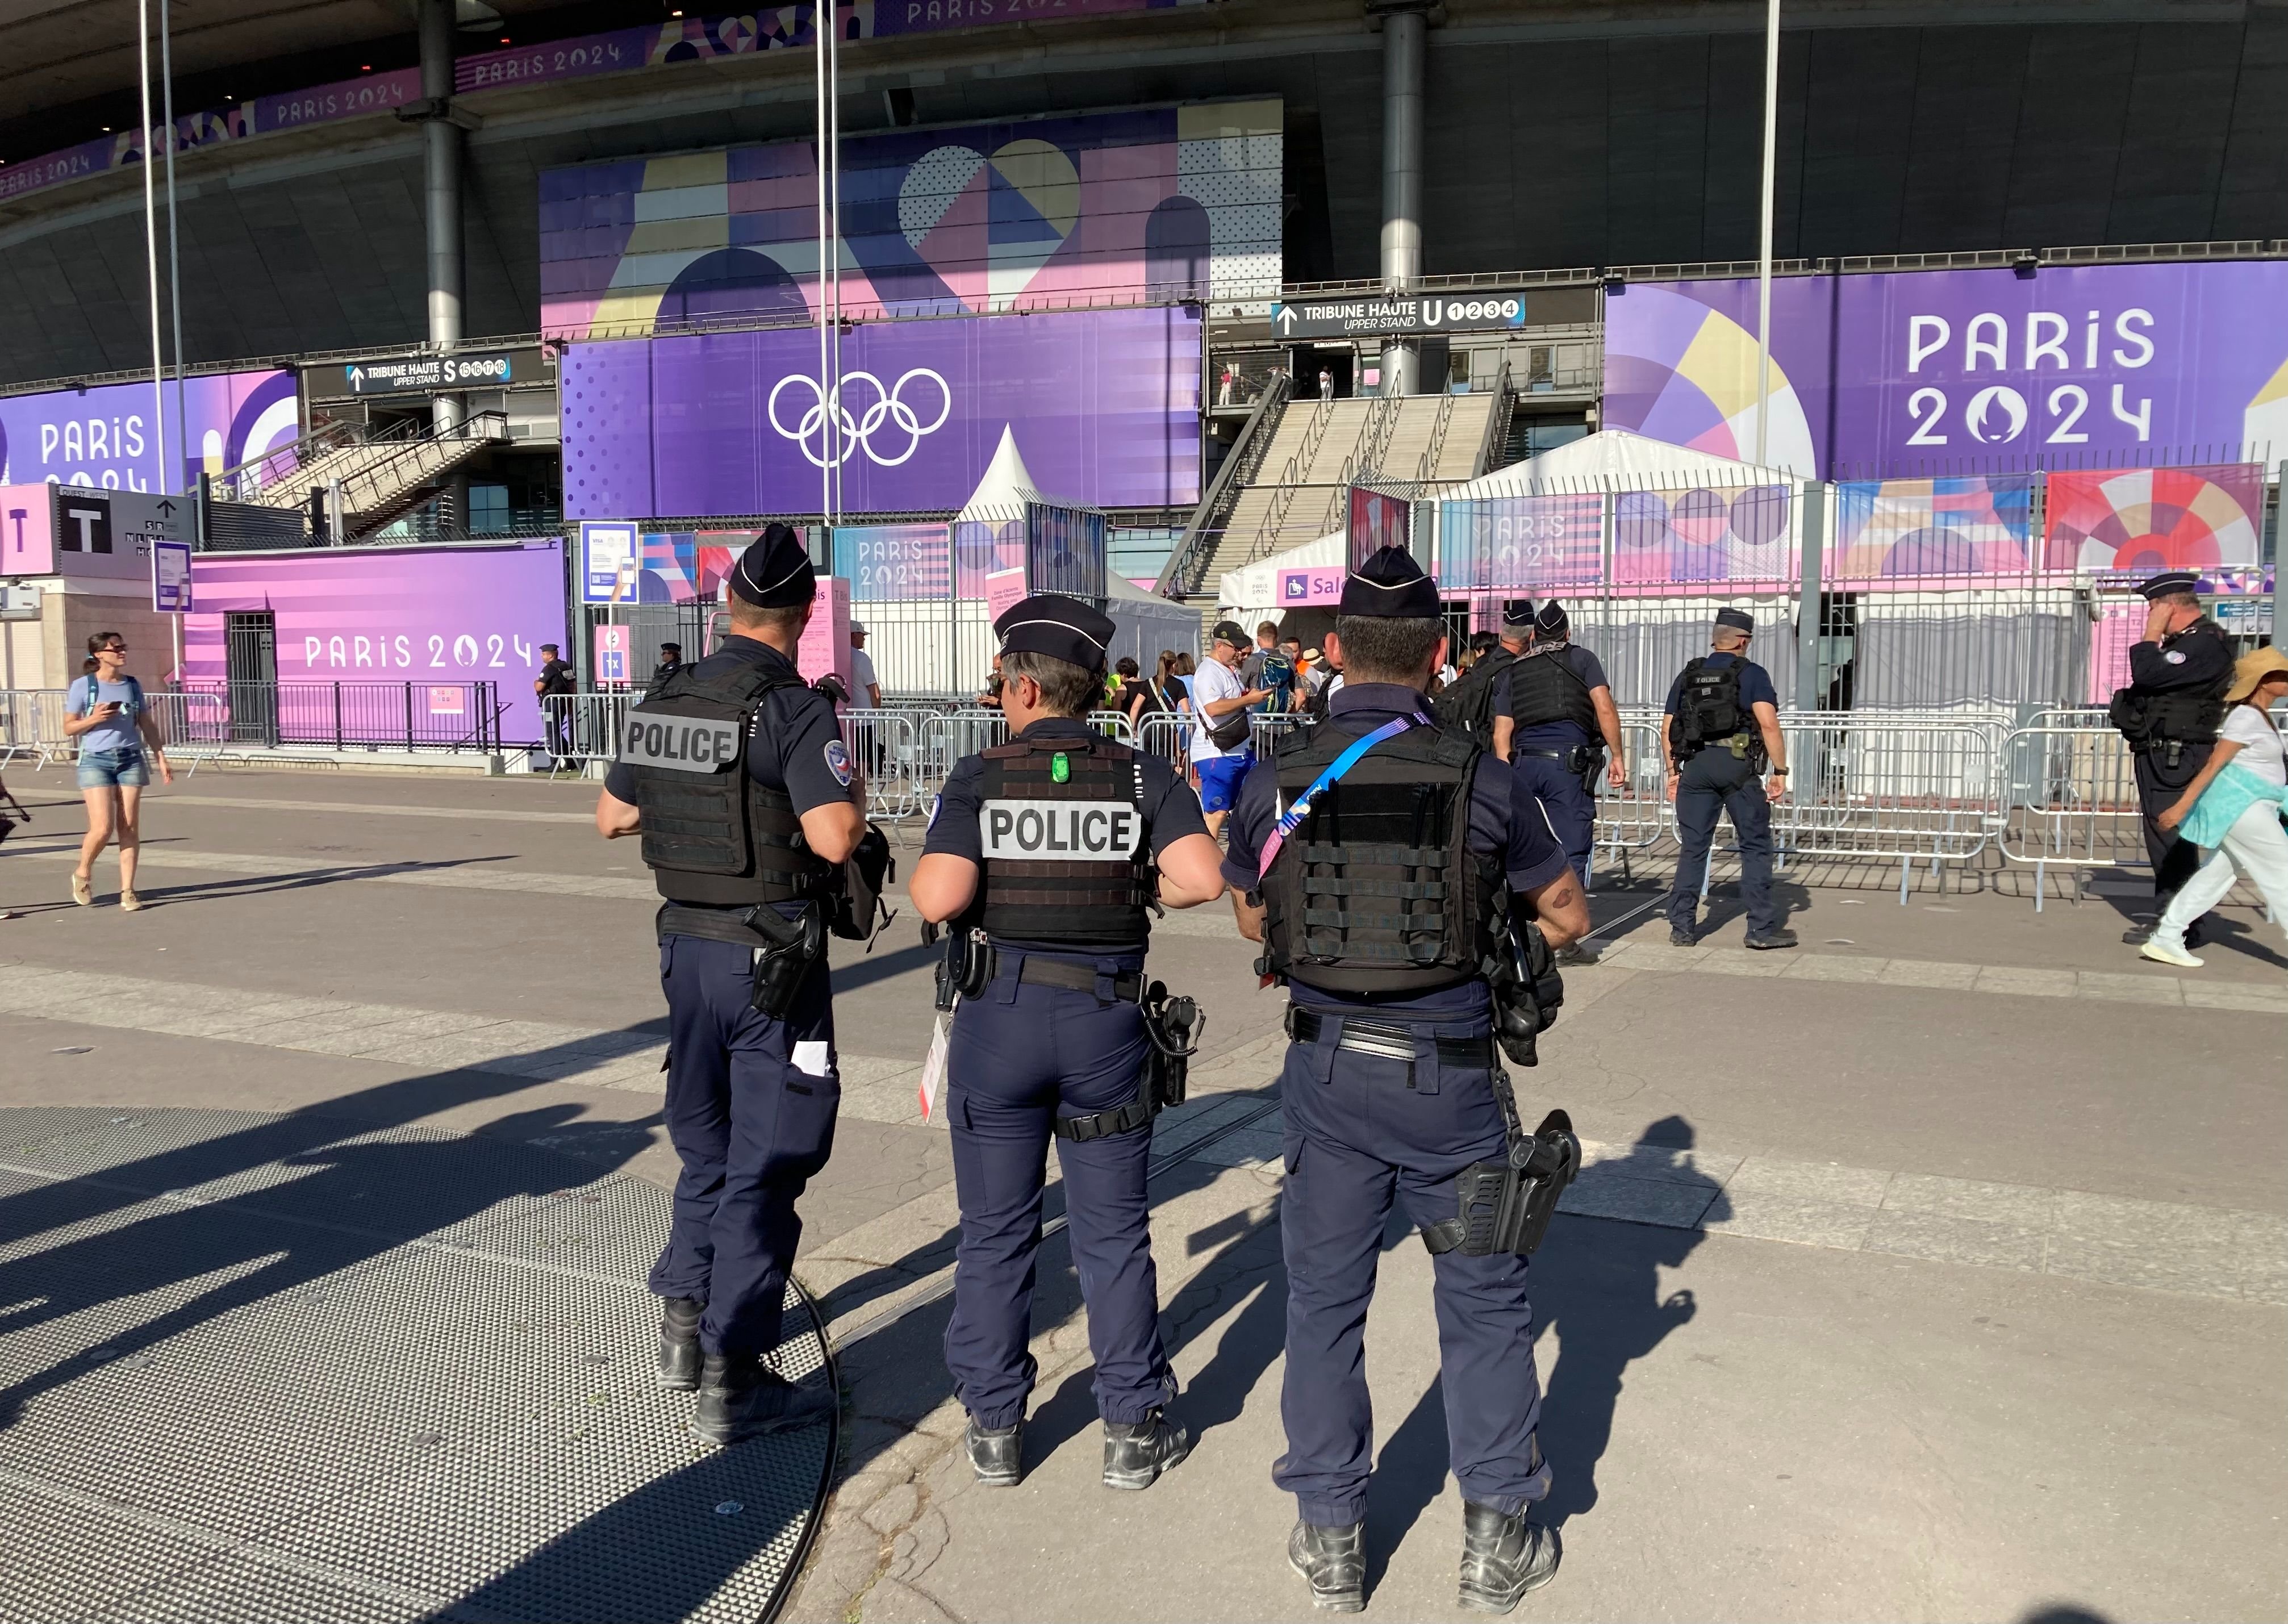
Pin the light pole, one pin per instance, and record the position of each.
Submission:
(174, 252)
(829, 283)
(151, 253)
(1764, 249)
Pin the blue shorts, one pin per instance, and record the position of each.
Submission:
(101, 769)
(1219, 780)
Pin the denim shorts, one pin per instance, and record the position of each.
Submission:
(126, 767)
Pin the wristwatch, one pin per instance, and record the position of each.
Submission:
(1779, 772)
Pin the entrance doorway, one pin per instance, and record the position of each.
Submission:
(251, 669)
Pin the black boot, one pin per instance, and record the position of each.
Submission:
(740, 1400)
(998, 1453)
(1135, 1455)
(1334, 1560)
(1503, 1557)
(1578, 953)
(679, 1345)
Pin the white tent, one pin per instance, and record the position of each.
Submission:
(1252, 593)
(1006, 487)
(1614, 459)
(1146, 624)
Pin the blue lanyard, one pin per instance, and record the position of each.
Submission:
(1293, 816)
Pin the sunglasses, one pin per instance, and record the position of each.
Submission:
(112, 649)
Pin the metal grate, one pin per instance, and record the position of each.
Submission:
(281, 1367)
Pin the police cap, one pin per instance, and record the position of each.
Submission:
(2174, 583)
(774, 572)
(1390, 585)
(1063, 628)
(1517, 612)
(1552, 620)
(1735, 620)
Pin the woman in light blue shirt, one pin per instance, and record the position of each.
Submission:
(118, 739)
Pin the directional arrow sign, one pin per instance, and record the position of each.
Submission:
(1400, 313)
(166, 506)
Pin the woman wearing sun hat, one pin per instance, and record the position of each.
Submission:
(2233, 808)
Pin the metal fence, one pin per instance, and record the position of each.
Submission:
(449, 716)
(195, 727)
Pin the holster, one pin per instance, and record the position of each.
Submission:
(1173, 1027)
(1506, 1206)
(790, 946)
(966, 967)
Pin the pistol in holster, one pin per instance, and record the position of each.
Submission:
(966, 969)
(1506, 1206)
(1172, 1026)
(790, 946)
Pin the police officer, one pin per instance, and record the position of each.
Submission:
(671, 661)
(1390, 1089)
(1044, 854)
(1721, 722)
(2171, 708)
(1554, 718)
(736, 777)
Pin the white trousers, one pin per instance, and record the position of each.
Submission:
(2256, 846)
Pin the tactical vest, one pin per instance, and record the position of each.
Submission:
(1377, 892)
(1067, 850)
(1708, 710)
(1466, 705)
(1544, 688)
(2147, 717)
(712, 837)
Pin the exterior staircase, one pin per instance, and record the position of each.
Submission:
(381, 477)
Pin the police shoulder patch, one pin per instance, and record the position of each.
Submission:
(2175, 656)
(837, 761)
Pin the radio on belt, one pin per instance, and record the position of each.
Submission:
(1059, 831)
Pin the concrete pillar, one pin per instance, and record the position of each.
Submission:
(1404, 36)
(441, 143)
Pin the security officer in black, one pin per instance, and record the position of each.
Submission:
(736, 777)
(1043, 856)
(1556, 725)
(1379, 885)
(2170, 712)
(671, 661)
(1719, 727)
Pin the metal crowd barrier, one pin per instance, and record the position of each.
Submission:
(2073, 802)
(584, 727)
(196, 726)
(1890, 788)
(884, 746)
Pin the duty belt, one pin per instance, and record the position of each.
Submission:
(1574, 759)
(1127, 987)
(713, 923)
(1390, 1040)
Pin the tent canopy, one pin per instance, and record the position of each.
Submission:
(1614, 459)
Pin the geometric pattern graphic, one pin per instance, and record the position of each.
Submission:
(1915, 529)
(2142, 519)
(1679, 371)
(298, 1367)
(1737, 534)
(1152, 204)
(679, 566)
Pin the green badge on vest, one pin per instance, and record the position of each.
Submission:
(1060, 768)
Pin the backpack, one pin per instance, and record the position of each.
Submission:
(133, 708)
(1466, 705)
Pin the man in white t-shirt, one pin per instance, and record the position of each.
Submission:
(1218, 694)
(863, 683)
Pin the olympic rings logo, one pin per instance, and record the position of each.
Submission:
(888, 407)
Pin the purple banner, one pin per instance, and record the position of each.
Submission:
(105, 438)
(1103, 407)
(690, 39)
(443, 615)
(1930, 370)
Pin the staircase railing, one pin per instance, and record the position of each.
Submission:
(250, 479)
(1427, 467)
(1498, 420)
(1291, 478)
(377, 493)
(1186, 570)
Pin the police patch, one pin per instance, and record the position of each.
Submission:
(2175, 656)
(838, 762)
(1060, 831)
(678, 744)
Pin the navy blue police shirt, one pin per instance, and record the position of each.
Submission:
(795, 745)
(1506, 821)
(1755, 683)
(1562, 734)
(1171, 812)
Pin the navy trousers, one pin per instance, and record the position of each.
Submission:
(1715, 782)
(1361, 1131)
(1018, 1057)
(1572, 810)
(750, 1107)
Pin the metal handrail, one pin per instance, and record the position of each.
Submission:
(1498, 419)
(1437, 446)
(1186, 570)
(1290, 477)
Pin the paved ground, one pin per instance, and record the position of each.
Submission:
(1939, 1270)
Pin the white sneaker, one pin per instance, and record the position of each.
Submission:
(2164, 952)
